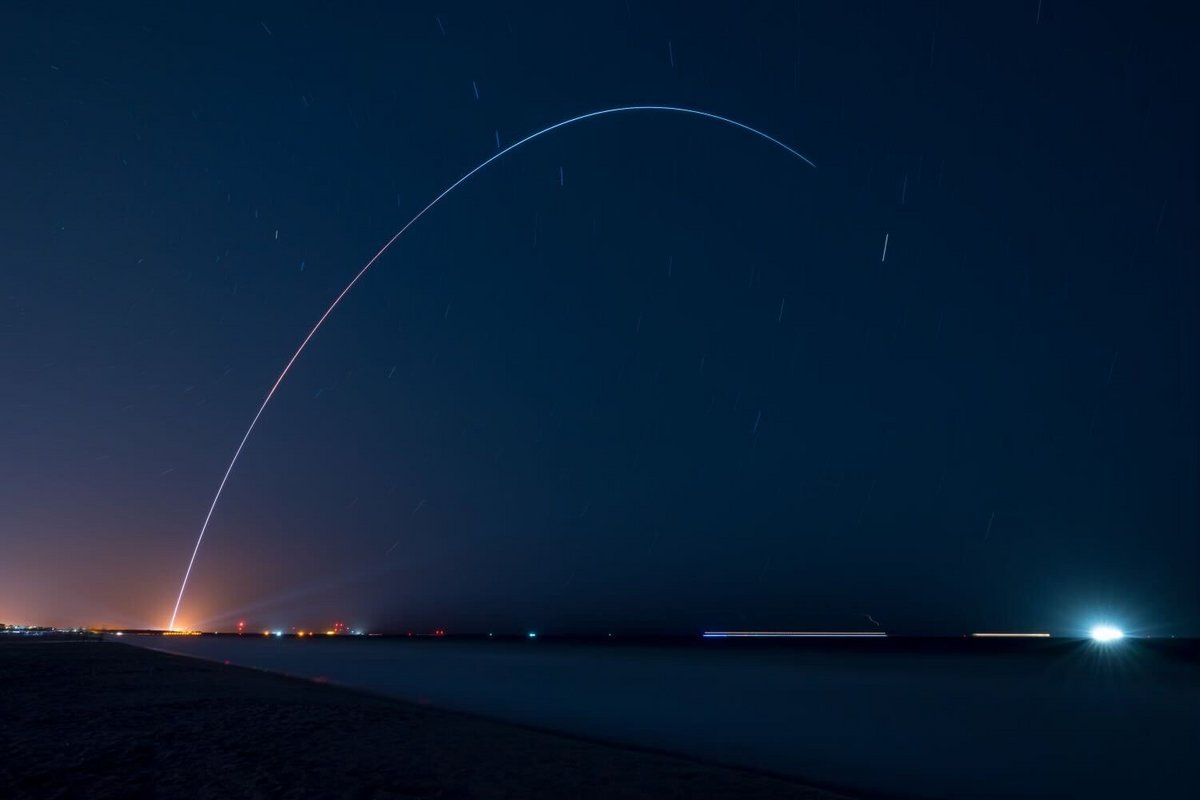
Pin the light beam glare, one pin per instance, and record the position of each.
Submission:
(337, 300)
(1106, 633)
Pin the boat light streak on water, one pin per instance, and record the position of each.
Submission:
(794, 635)
(1010, 635)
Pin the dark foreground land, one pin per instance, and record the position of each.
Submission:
(84, 719)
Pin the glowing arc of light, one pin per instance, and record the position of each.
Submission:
(337, 300)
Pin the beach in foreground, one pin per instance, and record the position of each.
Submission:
(83, 719)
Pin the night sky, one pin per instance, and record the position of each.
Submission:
(648, 373)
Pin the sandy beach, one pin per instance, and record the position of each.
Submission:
(82, 719)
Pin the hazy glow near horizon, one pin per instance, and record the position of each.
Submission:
(1107, 633)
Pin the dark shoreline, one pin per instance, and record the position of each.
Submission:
(1176, 648)
(97, 720)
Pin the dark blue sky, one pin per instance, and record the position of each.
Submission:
(575, 403)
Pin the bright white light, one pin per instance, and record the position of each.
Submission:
(1107, 633)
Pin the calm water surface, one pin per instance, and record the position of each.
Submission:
(1072, 720)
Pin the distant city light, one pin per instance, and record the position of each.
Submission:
(533, 634)
(1107, 633)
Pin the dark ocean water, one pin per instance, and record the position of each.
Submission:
(1069, 719)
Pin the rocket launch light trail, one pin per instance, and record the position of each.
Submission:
(337, 300)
